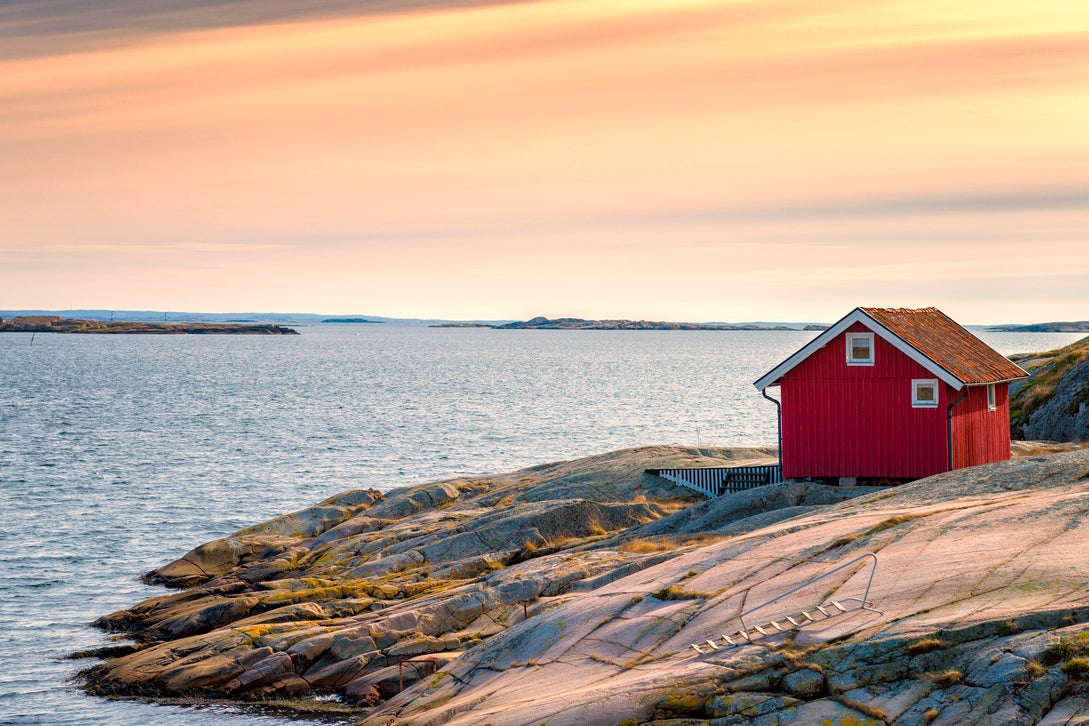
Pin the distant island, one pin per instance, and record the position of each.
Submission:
(57, 324)
(542, 323)
(351, 320)
(1081, 326)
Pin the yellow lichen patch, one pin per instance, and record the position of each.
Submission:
(254, 631)
(849, 719)
(260, 633)
(348, 590)
(317, 594)
(685, 701)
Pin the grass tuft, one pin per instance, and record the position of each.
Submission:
(1076, 668)
(1057, 653)
(642, 546)
(863, 708)
(879, 527)
(926, 645)
(676, 592)
(946, 678)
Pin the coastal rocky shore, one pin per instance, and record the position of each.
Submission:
(1053, 404)
(571, 593)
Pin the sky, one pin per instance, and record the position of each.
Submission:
(663, 159)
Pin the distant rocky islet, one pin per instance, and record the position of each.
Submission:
(352, 320)
(57, 324)
(543, 323)
(1081, 326)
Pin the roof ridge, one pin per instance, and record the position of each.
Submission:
(929, 336)
(929, 309)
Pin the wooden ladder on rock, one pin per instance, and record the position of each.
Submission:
(825, 611)
(830, 609)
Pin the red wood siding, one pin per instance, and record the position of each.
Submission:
(841, 420)
(981, 436)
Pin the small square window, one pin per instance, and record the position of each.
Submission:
(860, 349)
(924, 393)
(991, 405)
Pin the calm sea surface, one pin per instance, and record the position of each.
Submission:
(121, 453)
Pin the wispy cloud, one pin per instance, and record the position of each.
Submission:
(447, 147)
(70, 25)
(999, 201)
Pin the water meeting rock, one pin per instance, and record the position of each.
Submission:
(572, 593)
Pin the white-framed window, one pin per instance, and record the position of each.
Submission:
(859, 349)
(991, 404)
(924, 393)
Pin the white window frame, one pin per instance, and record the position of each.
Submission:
(992, 403)
(916, 384)
(851, 338)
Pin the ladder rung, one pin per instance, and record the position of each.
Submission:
(776, 626)
(712, 644)
(744, 634)
(761, 630)
(729, 640)
(697, 648)
(840, 607)
(823, 611)
(793, 622)
(808, 616)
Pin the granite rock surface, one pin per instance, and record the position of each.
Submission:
(572, 593)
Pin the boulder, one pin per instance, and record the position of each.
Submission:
(805, 684)
(263, 672)
(337, 673)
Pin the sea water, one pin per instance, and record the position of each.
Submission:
(121, 453)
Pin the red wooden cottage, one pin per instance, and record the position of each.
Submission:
(891, 393)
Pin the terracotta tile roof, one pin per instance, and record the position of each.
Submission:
(939, 338)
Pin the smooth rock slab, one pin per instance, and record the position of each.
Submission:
(823, 711)
(805, 683)
(1067, 712)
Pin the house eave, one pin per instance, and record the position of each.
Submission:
(991, 383)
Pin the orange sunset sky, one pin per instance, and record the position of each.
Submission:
(673, 160)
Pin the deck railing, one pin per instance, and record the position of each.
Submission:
(718, 480)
